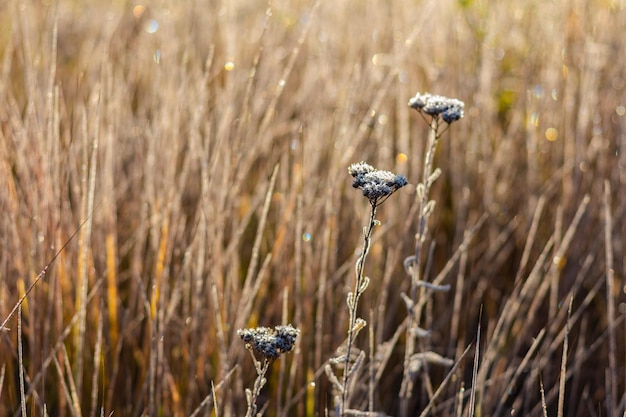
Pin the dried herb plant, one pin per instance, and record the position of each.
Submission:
(268, 344)
(439, 112)
(377, 186)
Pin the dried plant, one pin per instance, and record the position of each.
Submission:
(268, 344)
(376, 186)
(202, 151)
(437, 110)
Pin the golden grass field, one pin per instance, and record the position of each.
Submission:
(200, 150)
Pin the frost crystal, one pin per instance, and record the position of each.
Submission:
(375, 184)
(270, 343)
(450, 109)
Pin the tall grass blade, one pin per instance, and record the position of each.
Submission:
(610, 298)
(563, 378)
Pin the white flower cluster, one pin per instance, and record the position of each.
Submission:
(375, 184)
(270, 343)
(450, 109)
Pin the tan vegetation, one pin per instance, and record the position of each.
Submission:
(204, 148)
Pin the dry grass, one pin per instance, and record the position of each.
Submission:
(207, 164)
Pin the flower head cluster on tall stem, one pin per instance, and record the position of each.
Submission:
(269, 343)
(448, 110)
(376, 186)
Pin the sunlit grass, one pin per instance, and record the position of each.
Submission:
(200, 150)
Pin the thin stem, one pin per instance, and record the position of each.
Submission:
(353, 304)
(420, 237)
(20, 356)
(610, 291)
(44, 271)
(258, 385)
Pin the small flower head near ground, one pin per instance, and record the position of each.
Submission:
(376, 185)
(450, 109)
(270, 343)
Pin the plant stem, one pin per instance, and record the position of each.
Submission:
(258, 385)
(353, 306)
(406, 388)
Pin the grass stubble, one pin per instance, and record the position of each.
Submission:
(181, 172)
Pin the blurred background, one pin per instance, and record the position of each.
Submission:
(203, 146)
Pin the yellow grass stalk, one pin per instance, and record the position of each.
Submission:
(158, 274)
(111, 256)
(90, 163)
(97, 361)
(21, 289)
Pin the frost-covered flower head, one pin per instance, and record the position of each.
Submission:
(376, 185)
(450, 109)
(270, 343)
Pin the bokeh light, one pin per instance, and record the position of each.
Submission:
(552, 134)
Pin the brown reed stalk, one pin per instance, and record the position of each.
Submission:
(20, 359)
(298, 314)
(544, 406)
(111, 237)
(41, 275)
(97, 360)
(88, 196)
(72, 390)
(521, 368)
(60, 343)
(63, 388)
(475, 408)
(254, 278)
(562, 378)
(612, 400)
(444, 383)
(210, 401)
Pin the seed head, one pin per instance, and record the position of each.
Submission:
(360, 169)
(375, 184)
(450, 109)
(269, 343)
